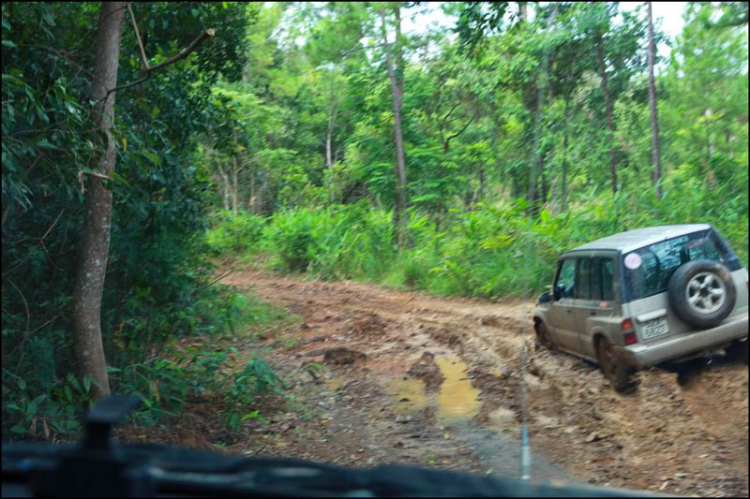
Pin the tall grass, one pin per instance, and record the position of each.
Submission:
(493, 251)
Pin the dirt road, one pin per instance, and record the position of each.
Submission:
(381, 376)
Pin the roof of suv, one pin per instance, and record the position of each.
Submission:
(634, 239)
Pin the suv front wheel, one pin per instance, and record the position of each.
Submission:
(612, 367)
(542, 336)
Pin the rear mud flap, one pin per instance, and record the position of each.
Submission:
(625, 356)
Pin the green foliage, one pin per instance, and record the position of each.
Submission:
(165, 386)
(338, 242)
(492, 251)
(157, 284)
(240, 234)
(56, 413)
(477, 20)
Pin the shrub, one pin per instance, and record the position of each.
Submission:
(235, 235)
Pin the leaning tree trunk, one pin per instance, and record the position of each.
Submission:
(92, 267)
(655, 153)
(608, 105)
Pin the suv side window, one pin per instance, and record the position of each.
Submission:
(608, 279)
(566, 279)
(595, 279)
(583, 289)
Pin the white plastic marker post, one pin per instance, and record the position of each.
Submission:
(525, 447)
(525, 455)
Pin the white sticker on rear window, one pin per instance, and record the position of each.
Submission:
(633, 261)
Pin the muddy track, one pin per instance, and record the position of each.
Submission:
(682, 431)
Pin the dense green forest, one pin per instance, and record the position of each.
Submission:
(142, 141)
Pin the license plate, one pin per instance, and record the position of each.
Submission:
(654, 328)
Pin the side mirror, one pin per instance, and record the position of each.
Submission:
(545, 297)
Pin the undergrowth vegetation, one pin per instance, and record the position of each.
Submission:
(166, 379)
(491, 251)
(159, 283)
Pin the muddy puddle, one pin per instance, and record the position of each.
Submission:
(455, 401)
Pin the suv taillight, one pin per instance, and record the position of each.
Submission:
(628, 333)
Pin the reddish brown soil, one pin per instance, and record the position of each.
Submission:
(682, 431)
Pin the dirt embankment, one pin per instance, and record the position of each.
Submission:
(381, 376)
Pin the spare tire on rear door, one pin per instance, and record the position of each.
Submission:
(702, 293)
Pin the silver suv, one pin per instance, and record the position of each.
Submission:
(646, 296)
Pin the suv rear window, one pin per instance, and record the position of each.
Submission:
(648, 269)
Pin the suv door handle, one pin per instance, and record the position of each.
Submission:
(593, 312)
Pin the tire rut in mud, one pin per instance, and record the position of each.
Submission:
(666, 436)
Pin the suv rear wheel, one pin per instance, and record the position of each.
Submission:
(702, 293)
(738, 350)
(613, 369)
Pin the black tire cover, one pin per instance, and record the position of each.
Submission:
(678, 298)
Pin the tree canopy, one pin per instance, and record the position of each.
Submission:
(348, 140)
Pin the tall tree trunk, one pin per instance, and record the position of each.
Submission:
(235, 176)
(481, 182)
(400, 71)
(710, 177)
(329, 165)
(555, 205)
(564, 186)
(493, 146)
(252, 193)
(329, 162)
(536, 157)
(438, 211)
(655, 153)
(399, 57)
(225, 180)
(545, 161)
(544, 181)
(329, 140)
(709, 142)
(401, 218)
(92, 267)
(608, 105)
(235, 185)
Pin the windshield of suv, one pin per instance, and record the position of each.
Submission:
(648, 269)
